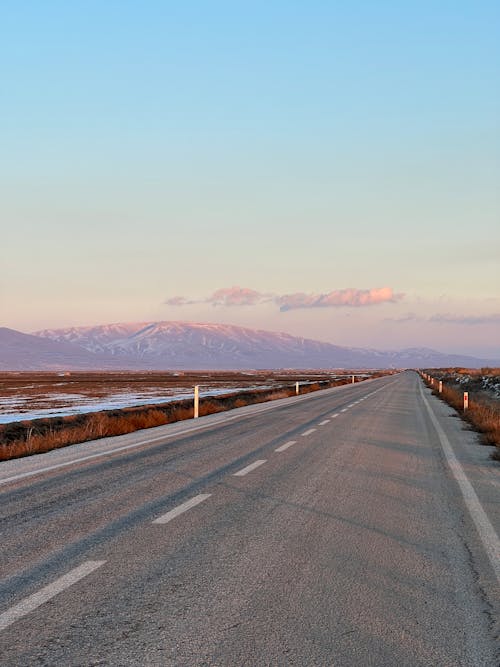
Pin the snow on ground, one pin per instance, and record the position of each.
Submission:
(20, 408)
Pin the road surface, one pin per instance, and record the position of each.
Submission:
(353, 526)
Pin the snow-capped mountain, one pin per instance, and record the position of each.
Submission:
(192, 345)
(164, 345)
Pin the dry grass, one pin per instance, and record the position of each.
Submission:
(483, 415)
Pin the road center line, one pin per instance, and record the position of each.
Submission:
(165, 518)
(309, 431)
(483, 525)
(249, 468)
(288, 444)
(325, 421)
(47, 593)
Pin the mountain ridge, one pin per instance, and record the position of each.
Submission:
(198, 345)
(158, 345)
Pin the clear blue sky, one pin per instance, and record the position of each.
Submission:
(160, 149)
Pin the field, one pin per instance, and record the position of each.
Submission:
(42, 411)
(37, 395)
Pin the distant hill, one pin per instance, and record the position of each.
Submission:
(20, 351)
(184, 345)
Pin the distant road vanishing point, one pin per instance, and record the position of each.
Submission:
(352, 526)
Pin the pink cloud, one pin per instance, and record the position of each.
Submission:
(236, 296)
(244, 296)
(337, 298)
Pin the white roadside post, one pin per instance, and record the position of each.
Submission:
(196, 401)
(352, 379)
(432, 382)
(466, 400)
(440, 386)
(297, 388)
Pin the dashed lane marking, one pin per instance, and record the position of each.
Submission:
(309, 431)
(249, 468)
(45, 594)
(325, 421)
(288, 444)
(196, 500)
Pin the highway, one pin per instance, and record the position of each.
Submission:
(352, 526)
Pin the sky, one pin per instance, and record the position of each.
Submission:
(327, 169)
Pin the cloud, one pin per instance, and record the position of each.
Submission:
(445, 318)
(337, 298)
(237, 296)
(244, 296)
(178, 301)
(226, 296)
(408, 317)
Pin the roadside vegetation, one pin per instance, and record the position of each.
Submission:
(483, 387)
(24, 438)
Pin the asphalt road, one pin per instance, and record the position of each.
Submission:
(353, 526)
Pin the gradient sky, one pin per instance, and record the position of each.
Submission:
(172, 149)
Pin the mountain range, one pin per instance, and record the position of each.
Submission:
(187, 345)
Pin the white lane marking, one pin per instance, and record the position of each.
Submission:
(483, 525)
(344, 410)
(196, 500)
(335, 415)
(34, 601)
(249, 468)
(309, 431)
(325, 421)
(351, 405)
(288, 444)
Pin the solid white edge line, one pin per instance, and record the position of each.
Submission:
(483, 525)
(288, 444)
(249, 468)
(325, 421)
(196, 500)
(308, 432)
(34, 601)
